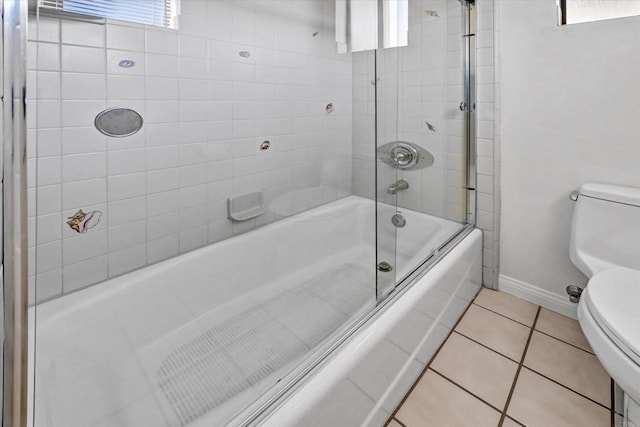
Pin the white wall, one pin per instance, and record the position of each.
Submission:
(570, 115)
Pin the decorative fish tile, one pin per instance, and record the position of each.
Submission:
(329, 108)
(431, 127)
(82, 222)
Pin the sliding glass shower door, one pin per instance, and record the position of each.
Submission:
(424, 115)
(220, 190)
(195, 240)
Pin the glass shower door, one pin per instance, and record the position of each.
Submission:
(190, 269)
(425, 117)
(388, 158)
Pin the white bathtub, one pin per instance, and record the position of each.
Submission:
(365, 380)
(148, 347)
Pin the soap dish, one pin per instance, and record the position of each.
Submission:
(245, 206)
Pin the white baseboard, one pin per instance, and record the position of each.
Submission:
(539, 296)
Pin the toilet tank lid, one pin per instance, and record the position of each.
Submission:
(614, 193)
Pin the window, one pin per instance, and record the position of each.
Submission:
(577, 11)
(161, 13)
(395, 15)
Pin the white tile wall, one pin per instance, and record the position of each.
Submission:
(418, 83)
(429, 75)
(206, 110)
(488, 109)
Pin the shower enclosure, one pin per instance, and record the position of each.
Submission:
(218, 193)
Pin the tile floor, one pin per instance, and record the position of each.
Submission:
(508, 363)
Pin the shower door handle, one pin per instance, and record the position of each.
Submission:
(463, 106)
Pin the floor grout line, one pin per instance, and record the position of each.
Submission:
(398, 421)
(514, 420)
(561, 340)
(502, 315)
(485, 346)
(566, 387)
(464, 389)
(515, 379)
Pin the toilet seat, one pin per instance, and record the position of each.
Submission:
(613, 299)
(624, 370)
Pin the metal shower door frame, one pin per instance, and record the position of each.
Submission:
(468, 105)
(14, 211)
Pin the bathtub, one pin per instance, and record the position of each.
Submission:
(364, 381)
(197, 338)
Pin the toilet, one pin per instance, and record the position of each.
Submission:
(605, 246)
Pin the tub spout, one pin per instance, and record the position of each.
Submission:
(397, 186)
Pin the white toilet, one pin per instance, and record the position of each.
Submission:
(605, 246)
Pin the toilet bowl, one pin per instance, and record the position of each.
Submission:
(605, 246)
(611, 323)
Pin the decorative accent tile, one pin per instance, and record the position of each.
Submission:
(82, 222)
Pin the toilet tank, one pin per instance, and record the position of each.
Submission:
(605, 231)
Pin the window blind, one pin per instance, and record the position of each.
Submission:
(161, 13)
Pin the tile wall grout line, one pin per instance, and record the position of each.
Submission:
(502, 315)
(561, 340)
(485, 346)
(468, 391)
(566, 387)
(515, 379)
(424, 371)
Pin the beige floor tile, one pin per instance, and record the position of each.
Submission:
(436, 402)
(572, 367)
(512, 307)
(508, 422)
(536, 401)
(394, 423)
(563, 328)
(483, 372)
(499, 333)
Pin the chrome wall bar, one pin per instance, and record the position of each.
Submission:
(14, 210)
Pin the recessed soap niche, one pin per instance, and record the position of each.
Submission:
(243, 207)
